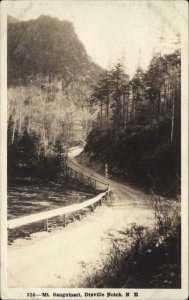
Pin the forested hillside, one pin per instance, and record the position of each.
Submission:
(47, 47)
(138, 128)
(50, 77)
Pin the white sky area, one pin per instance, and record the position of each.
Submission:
(110, 30)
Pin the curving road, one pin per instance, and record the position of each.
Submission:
(55, 259)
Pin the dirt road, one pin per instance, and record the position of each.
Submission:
(54, 259)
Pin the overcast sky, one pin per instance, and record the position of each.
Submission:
(112, 29)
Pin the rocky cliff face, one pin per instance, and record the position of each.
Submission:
(47, 48)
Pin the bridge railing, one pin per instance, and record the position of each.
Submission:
(63, 211)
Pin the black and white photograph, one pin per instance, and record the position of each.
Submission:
(94, 149)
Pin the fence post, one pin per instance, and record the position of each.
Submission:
(108, 192)
(64, 220)
(68, 174)
(73, 217)
(47, 225)
(92, 207)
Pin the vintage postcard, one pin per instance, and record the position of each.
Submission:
(94, 149)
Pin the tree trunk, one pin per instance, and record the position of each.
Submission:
(101, 113)
(133, 109)
(28, 126)
(20, 124)
(45, 143)
(126, 112)
(38, 152)
(13, 132)
(173, 119)
(117, 110)
(158, 103)
(116, 121)
(123, 111)
(107, 109)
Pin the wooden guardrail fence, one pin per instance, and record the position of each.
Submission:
(18, 222)
(63, 211)
(84, 179)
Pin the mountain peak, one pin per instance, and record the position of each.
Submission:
(48, 47)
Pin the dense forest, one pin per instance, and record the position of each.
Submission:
(138, 127)
(50, 78)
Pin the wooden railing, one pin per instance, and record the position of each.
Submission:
(63, 211)
(71, 209)
(86, 179)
